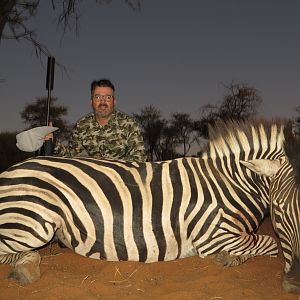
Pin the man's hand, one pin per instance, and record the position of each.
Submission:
(49, 136)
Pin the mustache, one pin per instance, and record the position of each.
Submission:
(103, 106)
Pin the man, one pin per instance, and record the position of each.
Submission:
(106, 132)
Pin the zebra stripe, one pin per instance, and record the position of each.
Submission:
(285, 204)
(114, 210)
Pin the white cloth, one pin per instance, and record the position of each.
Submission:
(33, 139)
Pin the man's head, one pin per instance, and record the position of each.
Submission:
(102, 99)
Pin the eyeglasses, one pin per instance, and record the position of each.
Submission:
(98, 97)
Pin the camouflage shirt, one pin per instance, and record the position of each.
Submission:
(120, 138)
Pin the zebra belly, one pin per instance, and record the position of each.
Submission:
(128, 249)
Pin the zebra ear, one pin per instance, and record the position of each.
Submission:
(264, 167)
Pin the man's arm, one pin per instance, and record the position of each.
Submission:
(74, 147)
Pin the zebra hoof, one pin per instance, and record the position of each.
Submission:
(224, 259)
(61, 244)
(26, 273)
(290, 284)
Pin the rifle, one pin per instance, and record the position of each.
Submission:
(49, 86)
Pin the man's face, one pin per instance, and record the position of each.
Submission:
(103, 102)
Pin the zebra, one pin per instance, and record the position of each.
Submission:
(154, 211)
(285, 205)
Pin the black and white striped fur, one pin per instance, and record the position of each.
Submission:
(146, 212)
(285, 205)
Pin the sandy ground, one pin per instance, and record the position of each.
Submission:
(66, 275)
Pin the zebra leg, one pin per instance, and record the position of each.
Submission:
(26, 266)
(61, 240)
(224, 258)
(291, 278)
(245, 247)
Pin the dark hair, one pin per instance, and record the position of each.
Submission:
(101, 83)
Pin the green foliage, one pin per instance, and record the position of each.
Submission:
(35, 114)
(9, 153)
(162, 137)
(184, 126)
(152, 125)
(240, 102)
(297, 122)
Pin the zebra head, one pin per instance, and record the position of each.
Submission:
(284, 174)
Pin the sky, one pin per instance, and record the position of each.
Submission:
(175, 55)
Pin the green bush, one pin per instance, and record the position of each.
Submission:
(9, 153)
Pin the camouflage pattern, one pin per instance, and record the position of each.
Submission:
(119, 139)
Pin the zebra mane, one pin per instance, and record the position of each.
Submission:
(256, 137)
(292, 150)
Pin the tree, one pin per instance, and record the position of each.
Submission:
(35, 114)
(163, 137)
(208, 115)
(297, 122)
(152, 125)
(15, 14)
(9, 153)
(168, 143)
(184, 126)
(239, 103)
